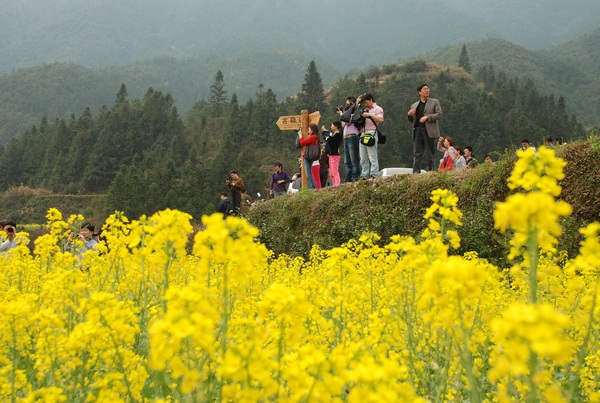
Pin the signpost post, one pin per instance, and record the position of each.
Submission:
(300, 122)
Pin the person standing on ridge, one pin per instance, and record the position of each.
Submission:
(424, 116)
(279, 181)
(373, 114)
(236, 185)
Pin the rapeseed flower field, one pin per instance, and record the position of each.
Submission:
(143, 318)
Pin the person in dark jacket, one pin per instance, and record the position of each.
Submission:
(236, 185)
(324, 166)
(279, 181)
(334, 141)
(225, 206)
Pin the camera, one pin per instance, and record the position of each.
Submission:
(340, 108)
(10, 229)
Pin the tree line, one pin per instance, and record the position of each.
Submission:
(145, 156)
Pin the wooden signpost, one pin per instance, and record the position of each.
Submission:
(300, 122)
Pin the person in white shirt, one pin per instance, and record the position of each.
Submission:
(461, 162)
(10, 228)
(525, 144)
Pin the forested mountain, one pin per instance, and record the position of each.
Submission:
(59, 90)
(147, 157)
(340, 32)
(72, 54)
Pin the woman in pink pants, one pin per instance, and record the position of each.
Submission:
(315, 168)
(334, 141)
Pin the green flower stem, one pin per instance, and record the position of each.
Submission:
(224, 327)
(533, 389)
(280, 346)
(584, 346)
(533, 255)
(467, 357)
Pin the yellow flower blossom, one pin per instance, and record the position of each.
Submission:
(408, 321)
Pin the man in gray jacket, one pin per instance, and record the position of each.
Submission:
(424, 115)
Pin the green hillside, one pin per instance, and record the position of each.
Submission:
(582, 52)
(551, 71)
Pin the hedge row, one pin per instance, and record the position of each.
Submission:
(396, 205)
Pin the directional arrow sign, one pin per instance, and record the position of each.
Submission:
(289, 122)
(294, 122)
(315, 117)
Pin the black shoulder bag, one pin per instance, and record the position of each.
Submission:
(381, 138)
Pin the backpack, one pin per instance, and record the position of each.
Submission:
(357, 116)
(353, 114)
(346, 116)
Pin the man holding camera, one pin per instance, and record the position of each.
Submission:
(236, 185)
(373, 114)
(86, 236)
(350, 133)
(10, 227)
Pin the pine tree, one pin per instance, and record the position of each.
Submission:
(463, 60)
(312, 96)
(217, 92)
(128, 190)
(122, 94)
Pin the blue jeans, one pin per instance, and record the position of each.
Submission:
(309, 177)
(351, 158)
(369, 160)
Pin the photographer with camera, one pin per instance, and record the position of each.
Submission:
(10, 227)
(235, 186)
(373, 115)
(350, 138)
(86, 236)
(334, 139)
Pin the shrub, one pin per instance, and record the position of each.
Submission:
(418, 66)
(15, 193)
